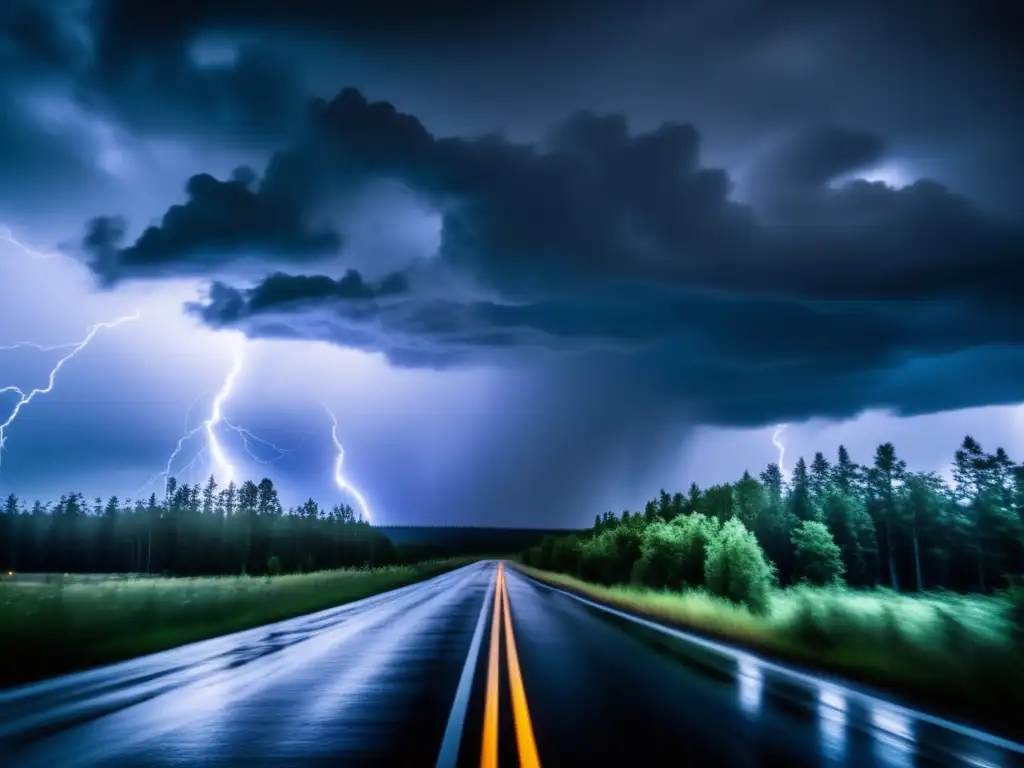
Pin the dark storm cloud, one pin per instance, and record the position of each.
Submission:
(597, 201)
(811, 159)
(228, 305)
(38, 54)
(149, 68)
(604, 240)
(240, 71)
(35, 41)
(252, 95)
(222, 221)
(731, 359)
(152, 79)
(126, 29)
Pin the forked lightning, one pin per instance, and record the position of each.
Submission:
(24, 398)
(222, 468)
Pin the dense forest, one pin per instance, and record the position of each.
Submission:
(830, 522)
(194, 530)
(207, 530)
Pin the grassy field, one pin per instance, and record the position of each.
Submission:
(953, 654)
(54, 624)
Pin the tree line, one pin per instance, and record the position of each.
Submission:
(830, 522)
(194, 530)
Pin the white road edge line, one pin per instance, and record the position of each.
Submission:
(964, 730)
(456, 719)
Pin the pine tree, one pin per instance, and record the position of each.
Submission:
(210, 496)
(800, 492)
(923, 512)
(885, 479)
(854, 533)
(846, 474)
(664, 505)
(11, 505)
(821, 484)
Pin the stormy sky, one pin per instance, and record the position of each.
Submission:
(539, 259)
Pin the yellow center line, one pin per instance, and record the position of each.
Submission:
(528, 757)
(489, 752)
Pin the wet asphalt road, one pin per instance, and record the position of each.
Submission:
(411, 678)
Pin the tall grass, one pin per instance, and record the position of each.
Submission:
(57, 625)
(955, 654)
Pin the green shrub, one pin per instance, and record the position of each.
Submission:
(565, 554)
(596, 554)
(608, 557)
(546, 553)
(818, 558)
(737, 569)
(672, 554)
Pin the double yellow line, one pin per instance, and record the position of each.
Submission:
(521, 713)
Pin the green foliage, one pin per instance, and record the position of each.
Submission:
(877, 524)
(854, 533)
(672, 554)
(608, 557)
(556, 553)
(717, 502)
(799, 501)
(194, 531)
(735, 567)
(715, 564)
(565, 555)
(750, 501)
(819, 560)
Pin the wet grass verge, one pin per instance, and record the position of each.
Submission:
(957, 656)
(53, 626)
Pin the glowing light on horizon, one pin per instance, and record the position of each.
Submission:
(339, 477)
(26, 398)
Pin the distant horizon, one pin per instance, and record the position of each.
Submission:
(946, 477)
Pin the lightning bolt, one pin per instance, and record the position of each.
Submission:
(222, 468)
(339, 478)
(24, 398)
(8, 236)
(777, 442)
(220, 459)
